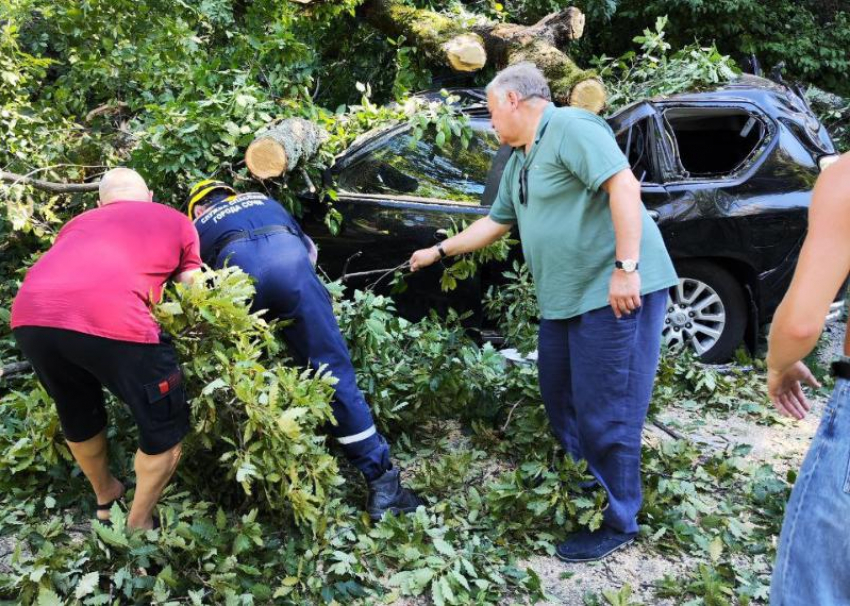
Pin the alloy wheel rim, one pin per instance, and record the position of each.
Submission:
(695, 316)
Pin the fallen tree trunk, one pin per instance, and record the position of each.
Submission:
(556, 29)
(569, 84)
(279, 149)
(467, 43)
(442, 38)
(508, 43)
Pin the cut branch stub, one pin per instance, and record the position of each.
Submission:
(589, 95)
(279, 149)
(465, 53)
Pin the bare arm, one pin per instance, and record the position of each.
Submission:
(822, 268)
(478, 235)
(187, 277)
(624, 199)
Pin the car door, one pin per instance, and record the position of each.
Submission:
(396, 195)
(715, 149)
(637, 129)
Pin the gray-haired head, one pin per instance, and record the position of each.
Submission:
(525, 79)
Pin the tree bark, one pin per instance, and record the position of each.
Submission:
(279, 149)
(556, 29)
(444, 39)
(466, 44)
(14, 368)
(49, 186)
(508, 43)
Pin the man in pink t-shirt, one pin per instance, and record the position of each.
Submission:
(82, 317)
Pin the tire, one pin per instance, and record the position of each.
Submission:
(706, 311)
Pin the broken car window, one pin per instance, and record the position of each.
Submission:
(425, 170)
(713, 142)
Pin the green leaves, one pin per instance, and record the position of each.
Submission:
(655, 72)
(467, 265)
(412, 582)
(86, 585)
(255, 415)
(444, 117)
(48, 597)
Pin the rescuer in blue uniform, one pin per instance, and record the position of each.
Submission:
(255, 233)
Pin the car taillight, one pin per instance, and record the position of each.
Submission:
(826, 161)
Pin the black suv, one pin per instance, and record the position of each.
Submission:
(727, 174)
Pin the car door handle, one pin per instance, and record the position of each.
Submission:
(654, 214)
(441, 234)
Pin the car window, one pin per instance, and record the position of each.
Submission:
(713, 142)
(424, 170)
(637, 146)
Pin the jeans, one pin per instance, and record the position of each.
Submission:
(596, 374)
(813, 560)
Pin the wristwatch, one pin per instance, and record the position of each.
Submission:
(627, 265)
(440, 250)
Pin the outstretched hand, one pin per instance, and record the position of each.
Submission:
(786, 392)
(424, 257)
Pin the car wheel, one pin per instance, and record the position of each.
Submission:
(706, 312)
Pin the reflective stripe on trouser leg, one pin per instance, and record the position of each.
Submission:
(358, 437)
(290, 289)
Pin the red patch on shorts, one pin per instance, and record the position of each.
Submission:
(170, 383)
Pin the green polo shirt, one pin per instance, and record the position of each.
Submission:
(566, 228)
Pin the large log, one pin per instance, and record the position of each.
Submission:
(467, 43)
(444, 39)
(570, 85)
(556, 29)
(508, 43)
(279, 149)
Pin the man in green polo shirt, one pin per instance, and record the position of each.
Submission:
(585, 233)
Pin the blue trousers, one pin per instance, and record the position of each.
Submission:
(596, 374)
(813, 559)
(287, 286)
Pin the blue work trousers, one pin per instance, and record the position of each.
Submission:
(596, 374)
(813, 559)
(287, 286)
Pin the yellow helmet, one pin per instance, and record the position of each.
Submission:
(202, 189)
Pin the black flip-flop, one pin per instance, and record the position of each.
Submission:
(107, 507)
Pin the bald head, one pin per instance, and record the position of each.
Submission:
(123, 184)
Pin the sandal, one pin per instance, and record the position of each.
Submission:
(108, 506)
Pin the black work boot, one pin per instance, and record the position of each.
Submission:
(387, 494)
